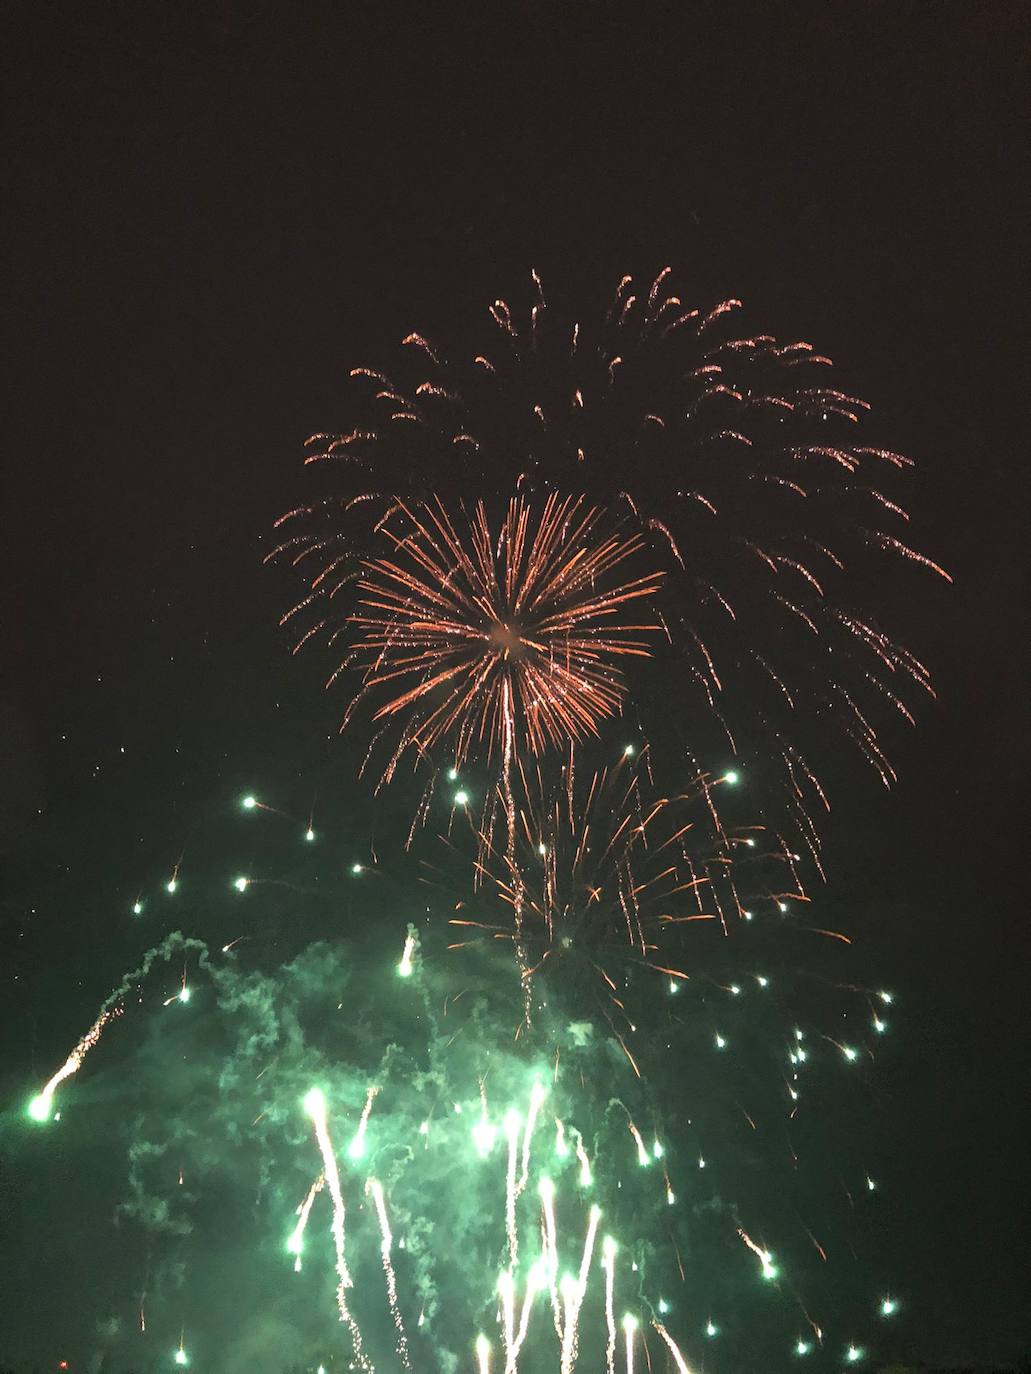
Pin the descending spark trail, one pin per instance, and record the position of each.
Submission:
(576, 1294)
(376, 1188)
(356, 1149)
(315, 1106)
(41, 1106)
(674, 1349)
(630, 1331)
(608, 1251)
(296, 1241)
(511, 1186)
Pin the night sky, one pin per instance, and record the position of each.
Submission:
(211, 217)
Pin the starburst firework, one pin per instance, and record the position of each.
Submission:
(480, 637)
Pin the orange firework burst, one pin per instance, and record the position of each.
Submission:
(616, 876)
(484, 636)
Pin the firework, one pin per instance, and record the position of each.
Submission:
(486, 637)
(692, 535)
(761, 486)
(618, 878)
(495, 1175)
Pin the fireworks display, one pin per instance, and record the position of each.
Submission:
(753, 479)
(578, 1081)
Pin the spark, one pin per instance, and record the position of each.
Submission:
(41, 1106)
(315, 1106)
(608, 1251)
(769, 1269)
(375, 1187)
(356, 1149)
(630, 1331)
(295, 1243)
(404, 968)
(483, 1354)
(643, 1157)
(674, 1349)
(574, 1296)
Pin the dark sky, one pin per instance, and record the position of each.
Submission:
(210, 216)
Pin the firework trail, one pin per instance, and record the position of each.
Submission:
(296, 1242)
(376, 1188)
(41, 1106)
(315, 1105)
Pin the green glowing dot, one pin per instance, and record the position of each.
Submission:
(871, 1185)
(782, 906)
(482, 1346)
(629, 1323)
(180, 1356)
(452, 775)
(315, 1102)
(546, 1188)
(889, 1307)
(609, 1248)
(747, 915)
(309, 834)
(137, 907)
(850, 1054)
(356, 868)
(731, 777)
(735, 990)
(40, 1106)
(249, 803)
(803, 1347)
(701, 1162)
(854, 1354)
(763, 982)
(424, 1129)
(711, 1329)
(657, 1149)
(184, 994)
(461, 797)
(720, 1042)
(886, 997)
(629, 751)
(750, 841)
(241, 884)
(171, 885)
(663, 1307)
